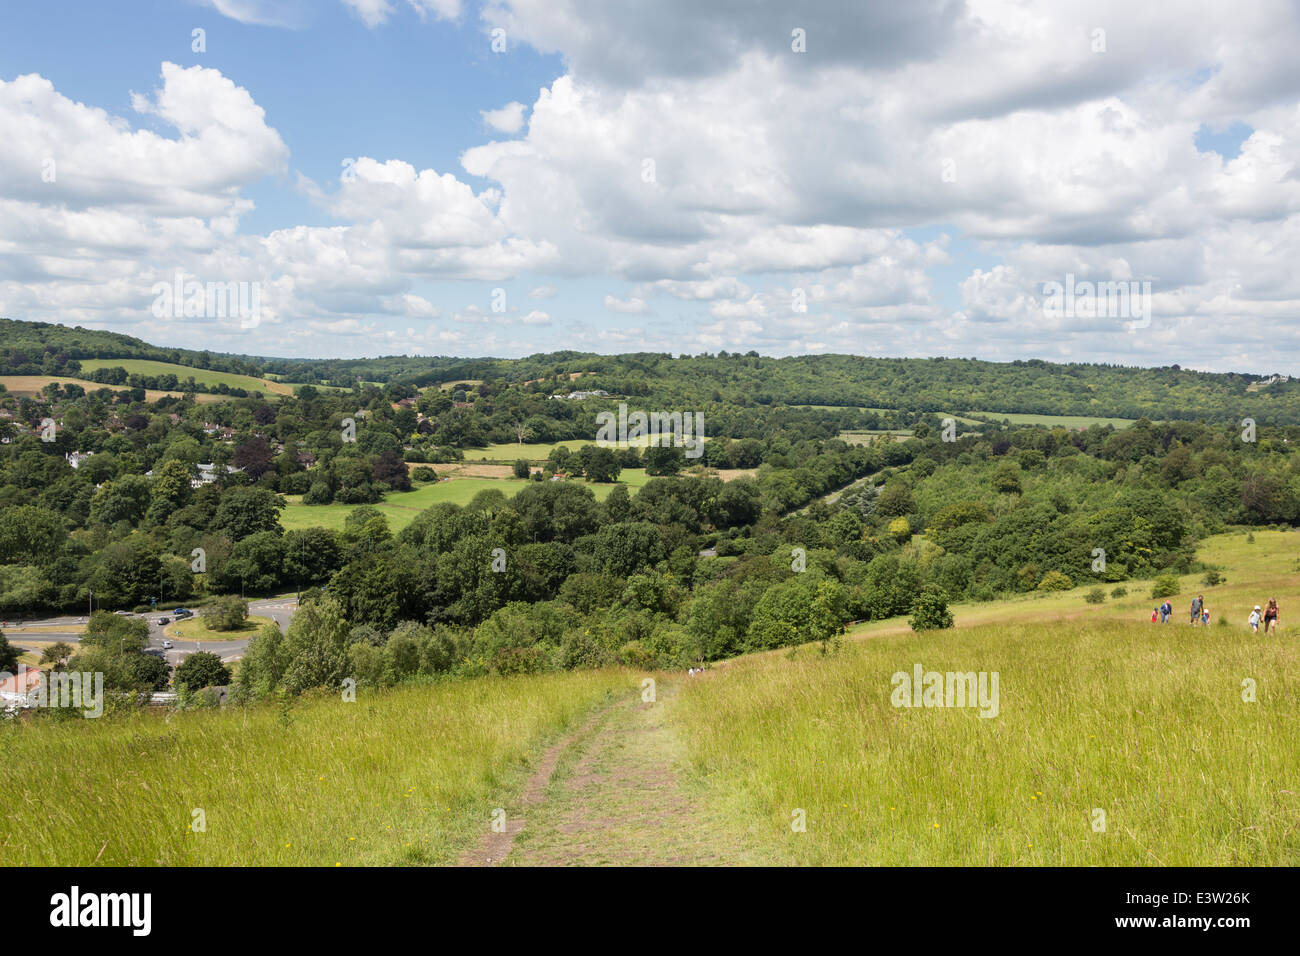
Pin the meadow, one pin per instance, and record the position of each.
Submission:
(401, 507)
(31, 385)
(406, 776)
(1099, 710)
(202, 376)
(538, 452)
(1056, 421)
(1115, 742)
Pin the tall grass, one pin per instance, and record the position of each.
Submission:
(409, 775)
(1146, 723)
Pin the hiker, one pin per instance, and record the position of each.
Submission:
(1205, 616)
(1166, 612)
(1270, 617)
(1197, 604)
(1255, 615)
(1155, 614)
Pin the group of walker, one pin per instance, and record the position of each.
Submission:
(1200, 614)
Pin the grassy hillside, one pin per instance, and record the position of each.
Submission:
(1144, 723)
(1098, 710)
(183, 372)
(30, 385)
(401, 507)
(405, 777)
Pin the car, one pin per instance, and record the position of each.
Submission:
(164, 620)
(167, 645)
(181, 612)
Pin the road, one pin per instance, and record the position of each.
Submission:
(280, 610)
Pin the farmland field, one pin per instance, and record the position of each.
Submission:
(182, 372)
(29, 385)
(401, 507)
(538, 451)
(1056, 421)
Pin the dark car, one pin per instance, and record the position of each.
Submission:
(164, 620)
(181, 612)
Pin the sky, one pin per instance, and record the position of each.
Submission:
(451, 177)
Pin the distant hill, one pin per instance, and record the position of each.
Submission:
(958, 386)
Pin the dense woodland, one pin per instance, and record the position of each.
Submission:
(688, 568)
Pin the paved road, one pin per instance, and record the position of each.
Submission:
(280, 610)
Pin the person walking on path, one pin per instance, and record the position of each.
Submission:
(1270, 617)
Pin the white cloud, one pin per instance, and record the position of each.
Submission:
(508, 119)
(632, 306)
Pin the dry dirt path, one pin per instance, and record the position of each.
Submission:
(618, 792)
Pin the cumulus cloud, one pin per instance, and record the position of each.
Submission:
(508, 119)
(772, 188)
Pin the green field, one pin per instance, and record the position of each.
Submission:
(536, 452)
(401, 507)
(1056, 421)
(511, 452)
(183, 372)
(1116, 742)
(1099, 709)
(403, 777)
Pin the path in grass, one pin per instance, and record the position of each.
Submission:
(619, 792)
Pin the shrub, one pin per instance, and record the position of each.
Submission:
(1096, 596)
(424, 473)
(1055, 581)
(930, 613)
(227, 613)
(318, 494)
(1165, 586)
(202, 669)
(522, 469)
(1119, 592)
(901, 530)
(1212, 577)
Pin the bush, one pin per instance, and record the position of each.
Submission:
(1212, 577)
(424, 473)
(1165, 586)
(1119, 592)
(227, 613)
(1096, 596)
(930, 613)
(1055, 581)
(522, 469)
(202, 669)
(318, 494)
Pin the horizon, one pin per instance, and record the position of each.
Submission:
(685, 355)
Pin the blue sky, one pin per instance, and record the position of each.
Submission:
(904, 185)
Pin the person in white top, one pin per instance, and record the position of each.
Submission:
(1255, 615)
